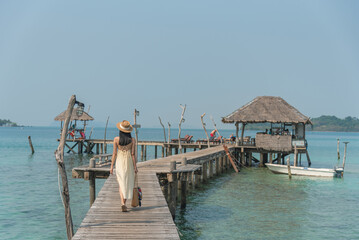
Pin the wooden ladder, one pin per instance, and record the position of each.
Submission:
(234, 161)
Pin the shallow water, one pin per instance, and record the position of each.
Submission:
(254, 204)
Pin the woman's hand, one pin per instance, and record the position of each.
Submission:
(111, 170)
(136, 171)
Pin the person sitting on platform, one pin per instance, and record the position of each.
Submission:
(213, 135)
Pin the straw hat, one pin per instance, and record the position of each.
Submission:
(124, 126)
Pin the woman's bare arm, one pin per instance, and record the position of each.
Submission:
(114, 154)
(133, 153)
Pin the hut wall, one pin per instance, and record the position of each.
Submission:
(282, 143)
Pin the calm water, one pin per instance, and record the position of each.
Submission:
(254, 204)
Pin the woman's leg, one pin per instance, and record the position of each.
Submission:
(123, 201)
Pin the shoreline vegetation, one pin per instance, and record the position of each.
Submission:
(7, 123)
(323, 123)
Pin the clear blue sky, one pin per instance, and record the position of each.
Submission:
(214, 56)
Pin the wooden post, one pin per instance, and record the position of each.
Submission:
(59, 155)
(261, 162)
(163, 152)
(289, 171)
(104, 138)
(279, 158)
(237, 133)
(183, 190)
(155, 152)
(92, 181)
(184, 149)
(270, 158)
(145, 154)
(295, 155)
(210, 168)
(101, 148)
(243, 127)
(265, 157)
(184, 161)
(204, 171)
(197, 180)
(250, 159)
(97, 148)
(217, 165)
(30, 142)
(221, 164)
(176, 151)
(172, 181)
(243, 158)
(308, 158)
(142, 148)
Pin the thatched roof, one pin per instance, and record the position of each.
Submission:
(267, 109)
(84, 117)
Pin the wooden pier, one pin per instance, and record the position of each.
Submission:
(164, 182)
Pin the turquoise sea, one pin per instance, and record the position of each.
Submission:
(254, 204)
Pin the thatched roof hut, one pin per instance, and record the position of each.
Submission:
(83, 117)
(267, 109)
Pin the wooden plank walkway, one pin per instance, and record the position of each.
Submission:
(153, 220)
(105, 220)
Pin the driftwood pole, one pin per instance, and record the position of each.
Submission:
(179, 127)
(215, 127)
(164, 130)
(104, 139)
(169, 132)
(59, 155)
(32, 147)
(204, 127)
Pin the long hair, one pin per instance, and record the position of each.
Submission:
(125, 138)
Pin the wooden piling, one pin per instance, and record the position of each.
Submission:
(210, 168)
(217, 165)
(243, 158)
(92, 181)
(32, 147)
(204, 171)
(279, 158)
(261, 162)
(163, 152)
(295, 155)
(270, 158)
(145, 154)
(156, 152)
(142, 148)
(221, 166)
(183, 190)
(250, 159)
(289, 171)
(172, 181)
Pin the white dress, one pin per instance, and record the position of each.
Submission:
(125, 172)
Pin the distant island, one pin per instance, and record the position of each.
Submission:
(7, 123)
(322, 124)
(335, 124)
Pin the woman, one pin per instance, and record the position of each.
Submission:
(124, 154)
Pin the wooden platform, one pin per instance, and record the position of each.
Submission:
(105, 220)
(153, 220)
